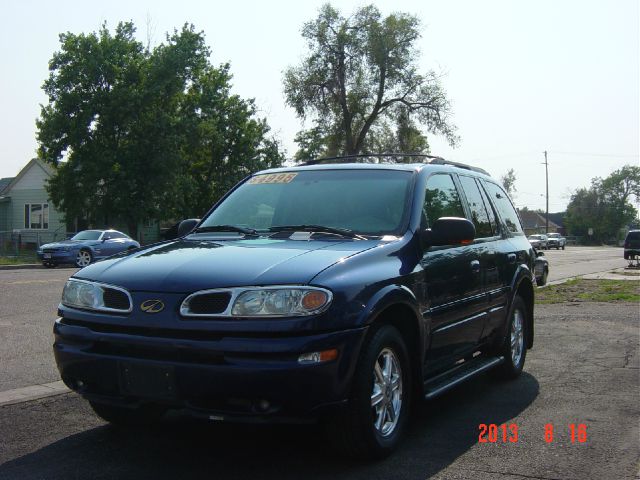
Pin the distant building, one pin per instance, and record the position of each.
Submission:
(534, 222)
(27, 215)
(25, 209)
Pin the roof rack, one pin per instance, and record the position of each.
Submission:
(391, 158)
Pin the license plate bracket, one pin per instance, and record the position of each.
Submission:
(148, 381)
(47, 255)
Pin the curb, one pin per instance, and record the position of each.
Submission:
(32, 392)
(21, 266)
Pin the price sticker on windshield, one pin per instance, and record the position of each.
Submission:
(273, 178)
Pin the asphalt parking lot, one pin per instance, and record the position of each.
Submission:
(583, 370)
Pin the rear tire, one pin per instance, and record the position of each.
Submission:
(514, 348)
(543, 278)
(373, 422)
(128, 417)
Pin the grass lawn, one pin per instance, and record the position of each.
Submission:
(585, 290)
(18, 260)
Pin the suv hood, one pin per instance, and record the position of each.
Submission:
(184, 266)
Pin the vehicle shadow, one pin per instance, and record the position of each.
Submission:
(441, 430)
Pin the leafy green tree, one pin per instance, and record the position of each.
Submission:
(508, 181)
(605, 206)
(360, 77)
(224, 141)
(127, 128)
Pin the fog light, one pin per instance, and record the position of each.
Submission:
(318, 357)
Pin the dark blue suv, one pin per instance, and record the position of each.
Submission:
(340, 291)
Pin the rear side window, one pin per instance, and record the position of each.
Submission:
(441, 199)
(505, 209)
(479, 213)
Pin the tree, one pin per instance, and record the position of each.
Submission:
(508, 181)
(360, 76)
(139, 134)
(605, 206)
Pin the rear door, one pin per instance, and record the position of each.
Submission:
(486, 243)
(456, 302)
(512, 250)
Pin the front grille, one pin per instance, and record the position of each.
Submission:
(115, 299)
(50, 250)
(209, 303)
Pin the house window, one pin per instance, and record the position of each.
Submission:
(36, 216)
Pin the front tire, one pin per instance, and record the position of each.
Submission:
(514, 348)
(83, 258)
(374, 420)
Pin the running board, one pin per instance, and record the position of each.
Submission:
(448, 380)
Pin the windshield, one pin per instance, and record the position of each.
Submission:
(554, 235)
(87, 235)
(535, 237)
(368, 202)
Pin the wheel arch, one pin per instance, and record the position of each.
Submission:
(524, 289)
(397, 306)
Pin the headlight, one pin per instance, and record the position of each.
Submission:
(257, 302)
(95, 296)
(280, 302)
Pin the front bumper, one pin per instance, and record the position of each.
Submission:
(57, 256)
(254, 378)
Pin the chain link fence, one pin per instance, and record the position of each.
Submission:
(23, 243)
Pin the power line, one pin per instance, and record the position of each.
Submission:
(596, 154)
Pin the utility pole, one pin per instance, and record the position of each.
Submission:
(546, 171)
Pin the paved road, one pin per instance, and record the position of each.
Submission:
(582, 370)
(28, 301)
(576, 261)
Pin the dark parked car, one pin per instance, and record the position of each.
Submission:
(632, 245)
(541, 269)
(85, 247)
(337, 291)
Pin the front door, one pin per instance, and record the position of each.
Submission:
(456, 302)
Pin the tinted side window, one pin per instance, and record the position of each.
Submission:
(441, 199)
(479, 215)
(504, 206)
(118, 235)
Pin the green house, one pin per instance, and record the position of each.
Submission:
(26, 214)
(27, 217)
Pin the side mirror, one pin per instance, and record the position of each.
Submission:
(186, 226)
(449, 231)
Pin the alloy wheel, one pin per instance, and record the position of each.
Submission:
(517, 337)
(386, 395)
(83, 259)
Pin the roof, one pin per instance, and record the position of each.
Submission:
(4, 183)
(34, 161)
(408, 167)
(531, 219)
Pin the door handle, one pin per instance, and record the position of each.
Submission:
(511, 258)
(475, 266)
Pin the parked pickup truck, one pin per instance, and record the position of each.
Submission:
(555, 240)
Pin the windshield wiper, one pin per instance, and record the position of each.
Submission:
(318, 228)
(226, 228)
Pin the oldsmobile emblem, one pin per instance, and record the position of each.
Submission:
(152, 306)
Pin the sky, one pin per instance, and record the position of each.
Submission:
(522, 76)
